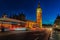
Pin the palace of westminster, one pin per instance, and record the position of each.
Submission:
(14, 23)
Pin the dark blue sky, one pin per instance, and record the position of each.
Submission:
(50, 9)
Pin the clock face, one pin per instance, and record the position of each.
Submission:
(39, 10)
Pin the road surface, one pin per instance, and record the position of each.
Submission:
(24, 35)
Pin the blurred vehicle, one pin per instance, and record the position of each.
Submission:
(6, 29)
(21, 29)
(3, 29)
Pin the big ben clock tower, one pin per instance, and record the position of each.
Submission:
(39, 15)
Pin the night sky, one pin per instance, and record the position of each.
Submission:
(50, 9)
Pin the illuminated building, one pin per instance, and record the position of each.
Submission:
(39, 16)
(38, 22)
(30, 23)
(12, 23)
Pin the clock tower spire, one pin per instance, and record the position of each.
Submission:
(39, 15)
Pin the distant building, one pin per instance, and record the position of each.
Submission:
(22, 16)
(57, 22)
(47, 25)
(4, 15)
(14, 16)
